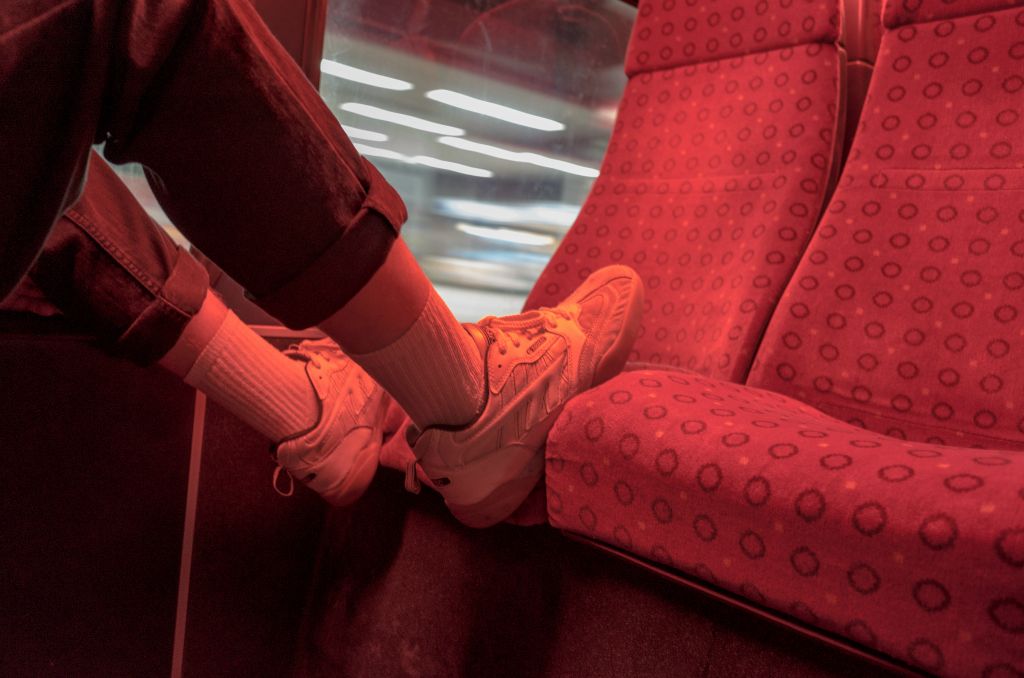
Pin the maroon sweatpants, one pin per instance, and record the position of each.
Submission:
(242, 153)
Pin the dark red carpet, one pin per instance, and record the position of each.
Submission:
(402, 590)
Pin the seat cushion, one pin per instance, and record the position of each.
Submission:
(914, 549)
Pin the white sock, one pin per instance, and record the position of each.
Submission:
(434, 370)
(257, 383)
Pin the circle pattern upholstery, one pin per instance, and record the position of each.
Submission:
(905, 313)
(710, 188)
(878, 539)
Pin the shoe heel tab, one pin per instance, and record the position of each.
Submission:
(412, 483)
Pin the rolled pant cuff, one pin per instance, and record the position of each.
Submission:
(339, 272)
(157, 328)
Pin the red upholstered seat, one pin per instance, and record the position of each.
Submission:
(715, 175)
(903, 317)
(905, 314)
(914, 549)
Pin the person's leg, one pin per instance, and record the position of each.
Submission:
(195, 336)
(315, 229)
(222, 357)
(116, 274)
(108, 266)
(400, 331)
(314, 226)
(256, 171)
(244, 156)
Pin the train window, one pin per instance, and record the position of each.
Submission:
(490, 118)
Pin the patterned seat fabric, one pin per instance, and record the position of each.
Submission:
(914, 549)
(903, 318)
(715, 175)
(905, 314)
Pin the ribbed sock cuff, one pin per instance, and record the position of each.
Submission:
(264, 388)
(434, 370)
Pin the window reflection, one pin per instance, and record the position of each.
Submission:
(489, 118)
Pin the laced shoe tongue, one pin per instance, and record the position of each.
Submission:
(521, 321)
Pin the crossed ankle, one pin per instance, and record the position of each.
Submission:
(435, 370)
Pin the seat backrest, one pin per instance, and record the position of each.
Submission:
(906, 314)
(715, 174)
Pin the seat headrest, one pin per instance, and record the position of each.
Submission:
(671, 33)
(902, 12)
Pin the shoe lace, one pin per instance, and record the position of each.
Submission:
(412, 482)
(507, 330)
(321, 354)
(316, 351)
(278, 472)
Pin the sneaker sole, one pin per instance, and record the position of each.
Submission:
(507, 497)
(347, 488)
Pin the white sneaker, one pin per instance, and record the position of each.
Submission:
(535, 362)
(338, 456)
